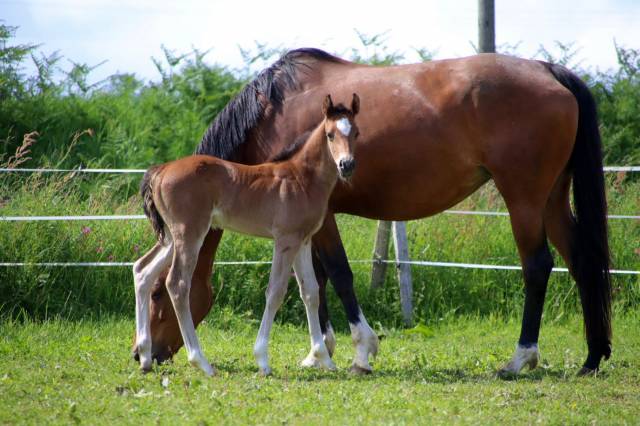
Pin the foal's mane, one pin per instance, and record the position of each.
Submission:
(232, 125)
(291, 149)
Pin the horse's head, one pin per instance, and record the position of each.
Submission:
(341, 131)
(166, 338)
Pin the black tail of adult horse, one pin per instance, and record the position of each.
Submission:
(590, 251)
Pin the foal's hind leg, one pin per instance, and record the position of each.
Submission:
(303, 267)
(178, 286)
(284, 251)
(323, 313)
(145, 271)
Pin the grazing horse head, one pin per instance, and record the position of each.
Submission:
(341, 133)
(165, 332)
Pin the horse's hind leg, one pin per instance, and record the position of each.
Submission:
(145, 271)
(303, 267)
(323, 313)
(284, 251)
(526, 213)
(561, 228)
(558, 219)
(178, 285)
(332, 254)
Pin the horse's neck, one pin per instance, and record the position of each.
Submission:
(314, 160)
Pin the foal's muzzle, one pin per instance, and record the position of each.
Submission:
(346, 167)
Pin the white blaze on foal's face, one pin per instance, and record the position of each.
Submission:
(344, 126)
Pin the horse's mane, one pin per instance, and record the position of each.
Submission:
(291, 149)
(232, 125)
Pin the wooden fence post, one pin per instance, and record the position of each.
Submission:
(380, 254)
(404, 271)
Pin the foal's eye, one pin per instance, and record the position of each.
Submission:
(330, 136)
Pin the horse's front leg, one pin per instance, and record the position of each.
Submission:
(179, 286)
(145, 271)
(303, 267)
(333, 257)
(284, 251)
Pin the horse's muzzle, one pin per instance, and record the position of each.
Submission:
(346, 166)
(159, 357)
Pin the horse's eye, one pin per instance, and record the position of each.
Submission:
(357, 134)
(156, 295)
(330, 136)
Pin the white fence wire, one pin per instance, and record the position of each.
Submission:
(257, 262)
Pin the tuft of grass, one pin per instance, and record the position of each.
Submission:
(61, 372)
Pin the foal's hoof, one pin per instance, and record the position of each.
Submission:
(360, 371)
(587, 372)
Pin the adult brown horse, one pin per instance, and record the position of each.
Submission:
(432, 134)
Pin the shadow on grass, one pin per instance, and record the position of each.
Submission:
(411, 375)
(415, 375)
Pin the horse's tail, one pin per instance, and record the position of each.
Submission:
(149, 206)
(590, 245)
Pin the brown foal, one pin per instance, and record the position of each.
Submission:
(285, 200)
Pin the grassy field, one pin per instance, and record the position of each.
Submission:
(60, 372)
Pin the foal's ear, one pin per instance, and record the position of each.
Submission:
(327, 106)
(355, 104)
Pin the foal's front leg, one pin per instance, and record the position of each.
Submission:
(303, 267)
(284, 251)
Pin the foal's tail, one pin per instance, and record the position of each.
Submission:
(150, 209)
(590, 250)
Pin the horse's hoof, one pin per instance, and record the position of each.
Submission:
(587, 372)
(313, 362)
(310, 362)
(506, 374)
(265, 372)
(360, 371)
(330, 340)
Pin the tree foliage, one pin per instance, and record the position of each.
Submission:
(136, 123)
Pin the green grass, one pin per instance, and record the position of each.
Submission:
(61, 372)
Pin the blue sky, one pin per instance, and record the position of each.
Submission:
(128, 33)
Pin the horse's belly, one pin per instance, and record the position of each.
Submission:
(407, 192)
(240, 224)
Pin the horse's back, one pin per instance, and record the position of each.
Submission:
(433, 133)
